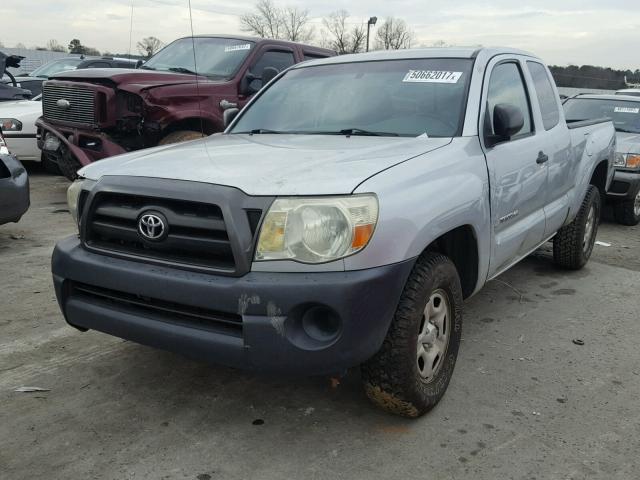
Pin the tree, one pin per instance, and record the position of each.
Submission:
(266, 22)
(54, 46)
(149, 46)
(343, 39)
(20, 45)
(295, 23)
(94, 52)
(269, 21)
(76, 47)
(393, 34)
(1, 45)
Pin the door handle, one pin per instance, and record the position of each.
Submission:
(542, 158)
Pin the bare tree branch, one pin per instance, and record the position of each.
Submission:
(393, 34)
(295, 24)
(341, 38)
(266, 22)
(149, 46)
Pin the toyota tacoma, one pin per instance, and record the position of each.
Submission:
(341, 220)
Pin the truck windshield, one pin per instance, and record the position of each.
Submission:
(625, 114)
(408, 97)
(215, 57)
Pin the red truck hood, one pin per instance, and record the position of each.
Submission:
(120, 76)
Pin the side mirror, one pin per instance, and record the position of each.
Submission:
(228, 116)
(268, 74)
(507, 121)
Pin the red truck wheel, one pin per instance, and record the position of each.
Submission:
(181, 136)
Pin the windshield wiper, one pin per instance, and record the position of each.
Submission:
(258, 131)
(359, 131)
(181, 70)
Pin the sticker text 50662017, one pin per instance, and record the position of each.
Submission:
(432, 76)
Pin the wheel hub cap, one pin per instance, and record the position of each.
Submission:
(433, 339)
(589, 228)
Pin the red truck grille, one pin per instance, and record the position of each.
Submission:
(69, 104)
(196, 233)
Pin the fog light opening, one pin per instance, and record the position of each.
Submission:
(321, 324)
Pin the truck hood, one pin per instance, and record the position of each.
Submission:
(271, 164)
(126, 76)
(628, 142)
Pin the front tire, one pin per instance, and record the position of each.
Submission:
(628, 211)
(412, 370)
(181, 136)
(573, 244)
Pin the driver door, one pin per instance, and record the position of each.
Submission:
(518, 182)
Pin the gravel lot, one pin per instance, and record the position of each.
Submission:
(525, 401)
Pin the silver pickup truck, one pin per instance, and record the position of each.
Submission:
(341, 219)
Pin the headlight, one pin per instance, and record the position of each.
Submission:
(10, 125)
(317, 230)
(620, 160)
(73, 194)
(627, 160)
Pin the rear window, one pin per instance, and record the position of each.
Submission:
(546, 96)
(625, 114)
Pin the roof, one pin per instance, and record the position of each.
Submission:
(407, 54)
(618, 98)
(634, 90)
(247, 38)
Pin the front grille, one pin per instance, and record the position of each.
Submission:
(81, 101)
(197, 234)
(161, 310)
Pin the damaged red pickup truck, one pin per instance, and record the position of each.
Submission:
(92, 114)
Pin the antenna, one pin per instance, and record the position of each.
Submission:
(195, 66)
(130, 29)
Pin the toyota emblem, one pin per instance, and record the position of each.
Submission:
(63, 104)
(152, 226)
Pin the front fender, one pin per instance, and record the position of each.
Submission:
(426, 197)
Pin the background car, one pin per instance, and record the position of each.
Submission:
(17, 120)
(33, 81)
(14, 186)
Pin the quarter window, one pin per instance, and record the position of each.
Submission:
(507, 86)
(546, 95)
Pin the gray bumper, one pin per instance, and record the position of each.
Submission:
(624, 186)
(14, 189)
(292, 323)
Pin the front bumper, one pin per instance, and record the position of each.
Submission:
(14, 190)
(291, 323)
(625, 185)
(85, 145)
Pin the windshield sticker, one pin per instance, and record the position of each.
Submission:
(432, 76)
(626, 110)
(235, 48)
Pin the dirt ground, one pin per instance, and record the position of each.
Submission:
(525, 401)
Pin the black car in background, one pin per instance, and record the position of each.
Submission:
(33, 81)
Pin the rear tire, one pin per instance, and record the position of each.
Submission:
(628, 211)
(181, 136)
(573, 244)
(411, 372)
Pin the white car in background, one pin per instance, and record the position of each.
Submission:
(17, 121)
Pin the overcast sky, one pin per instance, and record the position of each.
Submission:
(602, 32)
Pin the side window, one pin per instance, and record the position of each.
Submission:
(546, 97)
(507, 86)
(273, 58)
